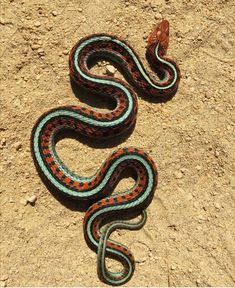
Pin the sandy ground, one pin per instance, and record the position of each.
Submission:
(189, 235)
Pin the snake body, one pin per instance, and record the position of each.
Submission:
(100, 125)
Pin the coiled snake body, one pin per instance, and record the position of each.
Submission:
(95, 124)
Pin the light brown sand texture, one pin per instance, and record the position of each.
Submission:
(188, 239)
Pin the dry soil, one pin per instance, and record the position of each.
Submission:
(189, 236)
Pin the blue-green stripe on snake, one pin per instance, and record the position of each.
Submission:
(94, 124)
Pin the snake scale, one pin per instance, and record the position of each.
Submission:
(94, 124)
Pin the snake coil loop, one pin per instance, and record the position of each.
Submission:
(100, 125)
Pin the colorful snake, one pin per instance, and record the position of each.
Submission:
(98, 188)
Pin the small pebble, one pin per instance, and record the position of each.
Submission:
(79, 9)
(173, 267)
(17, 145)
(41, 51)
(217, 206)
(35, 46)
(2, 21)
(183, 170)
(65, 52)
(188, 139)
(4, 278)
(37, 24)
(54, 13)
(3, 143)
(158, 16)
(32, 199)
(208, 95)
(201, 218)
(178, 175)
(146, 35)
(198, 167)
(216, 153)
(110, 70)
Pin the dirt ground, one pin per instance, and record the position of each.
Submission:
(189, 236)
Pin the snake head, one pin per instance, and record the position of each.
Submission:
(160, 36)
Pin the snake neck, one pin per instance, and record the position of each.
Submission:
(166, 69)
(119, 52)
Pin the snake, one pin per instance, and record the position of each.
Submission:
(105, 215)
